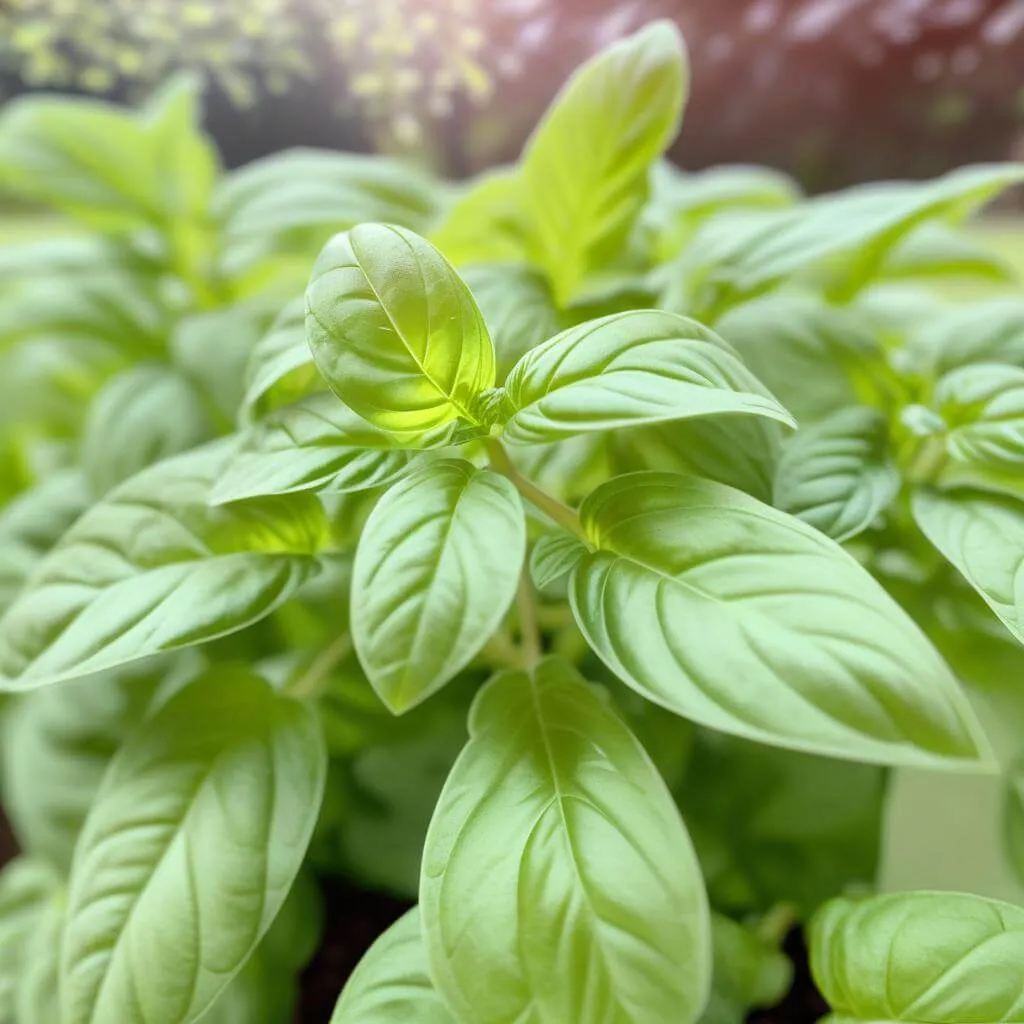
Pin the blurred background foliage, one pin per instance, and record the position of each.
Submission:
(831, 91)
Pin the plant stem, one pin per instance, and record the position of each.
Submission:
(501, 650)
(311, 683)
(553, 508)
(528, 628)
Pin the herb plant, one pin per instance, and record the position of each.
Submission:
(493, 571)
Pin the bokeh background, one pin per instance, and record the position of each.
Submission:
(831, 91)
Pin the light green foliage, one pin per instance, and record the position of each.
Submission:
(556, 857)
(837, 475)
(574, 592)
(392, 985)
(395, 331)
(770, 653)
(749, 972)
(218, 792)
(585, 170)
(435, 572)
(922, 958)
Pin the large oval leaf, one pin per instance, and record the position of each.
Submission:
(395, 331)
(983, 536)
(747, 620)
(435, 571)
(923, 958)
(315, 444)
(585, 169)
(194, 841)
(557, 858)
(153, 567)
(626, 370)
(391, 984)
(837, 475)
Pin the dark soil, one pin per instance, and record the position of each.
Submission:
(804, 1004)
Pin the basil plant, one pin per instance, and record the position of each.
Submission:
(571, 552)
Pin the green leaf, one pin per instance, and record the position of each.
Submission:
(626, 370)
(682, 201)
(26, 888)
(32, 523)
(982, 536)
(281, 368)
(837, 474)
(487, 221)
(789, 339)
(395, 331)
(983, 405)
(741, 451)
(391, 984)
(585, 169)
(935, 251)
(979, 332)
(37, 999)
(317, 444)
(517, 307)
(215, 796)
(924, 957)
(553, 556)
(435, 572)
(57, 743)
(557, 858)
(747, 620)
(749, 972)
(295, 200)
(143, 415)
(152, 567)
(213, 349)
(855, 230)
(780, 826)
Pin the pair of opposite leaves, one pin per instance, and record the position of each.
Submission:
(705, 600)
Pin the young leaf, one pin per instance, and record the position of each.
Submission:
(152, 567)
(435, 572)
(553, 556)
(189, 851)
(391, 984)
(982, 535)
(944, 958)
(32, 523)
(139, 417)
(487, 221)
(395, 331)
(983, 404)
(316, 444)
(585, 169)
(557, 858)
(747, 620)
(837, 475)
(749, 972)
(281, 368)
(57, 743)
(626, 370)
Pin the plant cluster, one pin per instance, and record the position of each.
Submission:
(461, 539)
